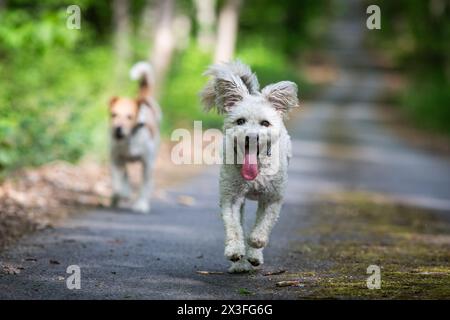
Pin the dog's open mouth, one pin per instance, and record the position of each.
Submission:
(250, 170)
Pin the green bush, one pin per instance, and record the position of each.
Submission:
(180, 100)
(52, 93)
(56, 82)
(415, 35)
(427, 101)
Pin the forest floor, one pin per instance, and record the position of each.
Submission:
(37, 198)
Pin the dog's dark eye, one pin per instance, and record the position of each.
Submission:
(265, 123)
(113, 115)
(240, 121)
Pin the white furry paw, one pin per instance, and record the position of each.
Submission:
(234, 250)
(255, 256)
(141, 206)
(240, 266)
(257, 241)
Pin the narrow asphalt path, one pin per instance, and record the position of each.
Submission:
(340, 144)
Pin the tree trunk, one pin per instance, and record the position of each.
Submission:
(206, 19)
(163, 45)
(227, 31)
(121, 36)
(148, 18)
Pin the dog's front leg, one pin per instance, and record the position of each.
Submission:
(234, 232)
(120, 185)
(142, 203)
(266, 217)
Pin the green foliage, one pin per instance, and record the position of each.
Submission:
(416, 35)
(56, 82)
(270, 65)
(427, 101)
(286, 26)
(416, 31)
(180, 101)
(49, 98)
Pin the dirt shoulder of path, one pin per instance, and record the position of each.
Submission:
(38, 198)
(348, 232)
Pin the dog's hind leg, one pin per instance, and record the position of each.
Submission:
(266, 217)
(234, 232)
(120, 184)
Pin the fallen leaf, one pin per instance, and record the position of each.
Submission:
(116, 241)
(209, 272)
(186, 201)
(274, 273)
(289, 283)
(161, 194)
(10, 269)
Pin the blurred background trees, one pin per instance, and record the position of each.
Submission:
(416, 36)
(55, 82)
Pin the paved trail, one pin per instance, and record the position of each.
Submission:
(339, 144)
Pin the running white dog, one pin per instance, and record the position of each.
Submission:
(134, 137)
(255, 120)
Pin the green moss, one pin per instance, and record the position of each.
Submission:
(244, 292)
(350, 232)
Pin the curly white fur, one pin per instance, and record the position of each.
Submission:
(229, 84)
(233, 90)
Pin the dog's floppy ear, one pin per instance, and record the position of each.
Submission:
(228, 85)
(282, 95)
(112, 101)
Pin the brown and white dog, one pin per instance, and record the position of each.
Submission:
(134, 137)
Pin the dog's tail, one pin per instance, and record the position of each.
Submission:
(143, 72)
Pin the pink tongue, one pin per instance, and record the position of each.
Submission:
(249, 169)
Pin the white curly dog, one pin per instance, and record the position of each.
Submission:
(260, 146)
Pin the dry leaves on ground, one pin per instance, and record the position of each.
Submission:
(36, 198)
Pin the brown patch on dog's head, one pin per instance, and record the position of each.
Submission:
(123, 115)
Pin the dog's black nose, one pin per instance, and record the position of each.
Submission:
(118, 133)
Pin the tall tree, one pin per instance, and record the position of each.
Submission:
(206, 19)
(148, 18)
(227, 31)
(164, 43)
(121, 36)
